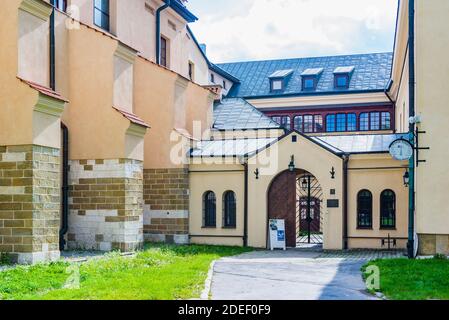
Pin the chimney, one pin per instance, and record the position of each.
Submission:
(203, 47)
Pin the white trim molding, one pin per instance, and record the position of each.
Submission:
(37, 8)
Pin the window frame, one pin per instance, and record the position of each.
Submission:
(58, 4)
(229, 213)
(383, 116)
(337, 122)
(334, 122)
(287, 126)
(102, 12)
(341, 76)
(391, 216)
(368, 123)
(209, 210)
(354, 116)
(368, 214)
(301, 129)
(281, 81)
(164, 52)
(308, 78)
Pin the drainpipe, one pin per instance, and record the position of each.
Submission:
(345, 201)
(52, 48)
(65, 138)
(411, 215)
(65, 187)
(158, 30)
(245, 209)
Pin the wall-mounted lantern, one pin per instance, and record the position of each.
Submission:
(305, 183)
(256, 173)
(406, 179)
(291, 166)
(332, 172)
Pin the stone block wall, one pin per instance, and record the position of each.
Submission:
(166, 208)
(431, 244)
(29, 203)
(106, 205)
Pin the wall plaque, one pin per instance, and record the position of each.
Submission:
(334, 203)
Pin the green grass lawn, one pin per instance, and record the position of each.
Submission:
(403, 279)
(160, 272)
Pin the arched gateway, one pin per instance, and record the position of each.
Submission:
(297, 197)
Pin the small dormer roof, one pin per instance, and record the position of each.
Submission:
(312, 72)
(281, 74)
(342, 70)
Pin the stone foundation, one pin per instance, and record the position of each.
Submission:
(106, 205)
(30, 203)
(166, 208)
(431, 244)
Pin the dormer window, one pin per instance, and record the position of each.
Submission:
(277, 85)
(342, 77)
(279, 79)
(310, 78)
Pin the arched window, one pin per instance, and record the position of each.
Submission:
(209, 210)
(388, 210)
(229, 210)
(298, 122)
(364, 210)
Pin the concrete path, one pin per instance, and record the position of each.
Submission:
(291, 275)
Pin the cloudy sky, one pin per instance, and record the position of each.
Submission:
(239, 30)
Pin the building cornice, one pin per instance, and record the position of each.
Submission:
(318, 100)
(49, 106)
(126, 53)
(136, 130)
(37, 8)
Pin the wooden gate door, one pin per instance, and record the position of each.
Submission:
(282, 204)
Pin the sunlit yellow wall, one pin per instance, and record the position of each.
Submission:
(376, 173)
(167, 101)
(400, 73)
(97, 131)
(18, 122)
(134, 23)
(203, 179)
(432, 100)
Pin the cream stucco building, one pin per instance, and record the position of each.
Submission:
(117, 129)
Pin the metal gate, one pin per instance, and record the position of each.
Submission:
(309, 210)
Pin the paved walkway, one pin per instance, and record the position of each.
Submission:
(293, 275)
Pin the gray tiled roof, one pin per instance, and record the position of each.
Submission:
(351, 144)
(371, 73)
(237, 114)
(231, 148)
(359, 143)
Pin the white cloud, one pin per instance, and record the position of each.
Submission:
(264, 29)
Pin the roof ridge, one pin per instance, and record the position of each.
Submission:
(303, 58)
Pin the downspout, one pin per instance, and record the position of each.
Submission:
(52, 48)
(245, 209)
(65, 187)
(158, 30)
(411, 215)
(345, 201)
(65, 137)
